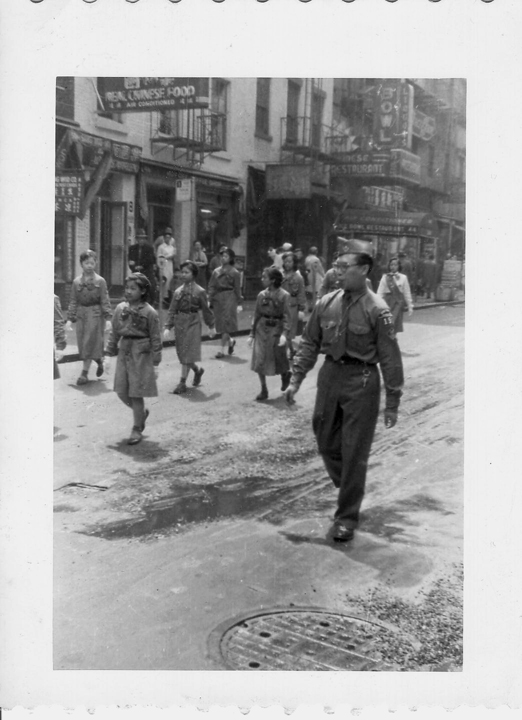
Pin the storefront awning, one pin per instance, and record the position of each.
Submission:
(383, 223)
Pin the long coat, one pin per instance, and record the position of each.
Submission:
(89, 307)
(272, 318)
(184, 316)
(224, 294)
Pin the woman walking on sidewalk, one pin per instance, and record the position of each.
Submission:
(90, 309)
(184, 317)
(395, 289)
(224, 294)
(293, 283)
(270, 330)
(135, 338)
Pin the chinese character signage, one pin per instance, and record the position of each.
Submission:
(383, 197)
(68, 193)
(146, 94)
(125, 157)
(393, 114)
(405, 166)
(423, 126)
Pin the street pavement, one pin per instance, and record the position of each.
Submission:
(224, 508)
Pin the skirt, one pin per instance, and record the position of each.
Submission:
(134, 376)
(267, 357)
(188, 337)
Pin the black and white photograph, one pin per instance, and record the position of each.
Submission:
(220, 245)
(284, 335)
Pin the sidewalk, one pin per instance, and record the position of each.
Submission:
(244, 323)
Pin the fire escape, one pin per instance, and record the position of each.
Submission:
(192, 134)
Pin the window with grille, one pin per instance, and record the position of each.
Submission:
(263, 107)
(292, 112)
(219, 105)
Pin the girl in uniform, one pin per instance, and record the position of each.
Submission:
(270, 330)
(395, 289)
(224, 294)
(184, 317)
(135, 338)
(293, 283)
(90, 309)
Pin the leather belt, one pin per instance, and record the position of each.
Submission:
(348, 360)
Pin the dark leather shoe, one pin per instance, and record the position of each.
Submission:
(180, 389)
(263, 395)
(99, 369)
(197, 377)
(231, 347)
(341, 533)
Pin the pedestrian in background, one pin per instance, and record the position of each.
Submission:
(166, 260)
(215, 260)
(430, 276)
(200, 259)
(142, 258)
(275, 257)
(184, 317)
(60, 342)
(394, 288)
(314, 276)
(135, 338)
(224, 294)
(293, 283)
(354, 328)
(331, 279)
(270, 330)
(90, 309)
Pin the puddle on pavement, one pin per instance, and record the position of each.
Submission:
(233, 498)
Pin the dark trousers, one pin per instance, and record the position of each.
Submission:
(344, 420)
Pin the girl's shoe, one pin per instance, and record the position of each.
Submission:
(180, 388)
(263, 395)
(82, 380)
(231, 347)
(99, 369)
(135, 437)
(220, 355)
(198, 374)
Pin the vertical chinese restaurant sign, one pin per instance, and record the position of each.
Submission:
(393, 114)
(146, 94)
(68, 192)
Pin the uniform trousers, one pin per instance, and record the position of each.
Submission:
(344, 420)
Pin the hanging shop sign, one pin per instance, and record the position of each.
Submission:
(424, 126)
(90, 150)
(383, 197)
(364, 164)
(68, 193)
(146, 94)
(287, 182)
(405, 166)
(393, 114)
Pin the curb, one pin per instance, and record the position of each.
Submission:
(205, 338)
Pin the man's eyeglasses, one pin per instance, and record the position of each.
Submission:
(343, 266)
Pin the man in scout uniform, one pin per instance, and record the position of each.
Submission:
(353, 327)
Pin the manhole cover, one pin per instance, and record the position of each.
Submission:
(305, 639)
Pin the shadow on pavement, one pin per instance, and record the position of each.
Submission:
(145, 451)
(93, 388)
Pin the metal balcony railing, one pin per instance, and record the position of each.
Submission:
(201, 131)
(302, 134)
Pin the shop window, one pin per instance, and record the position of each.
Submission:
(292, 112)
(263, 107)
(116, 117)
(65, 97)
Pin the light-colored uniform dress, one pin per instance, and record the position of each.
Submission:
(224, 295)
(135, 338)
(394, 288)
(166, 255)
(293, 283)
(272, 317)
(187, 302)
(89, 308)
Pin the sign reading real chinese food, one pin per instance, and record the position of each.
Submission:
(145, 94)
(68, 191)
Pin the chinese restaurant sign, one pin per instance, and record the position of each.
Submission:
(125, 157)
(364, 164)
(145, 94)
(68, 191)
(393, 114)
